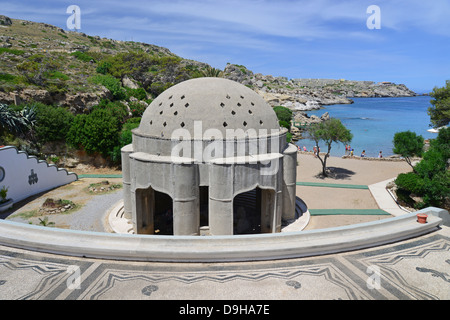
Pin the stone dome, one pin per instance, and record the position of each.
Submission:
(218, 103)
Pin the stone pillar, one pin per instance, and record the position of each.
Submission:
(278, 211)
(186, 200)
(221, 199)
(289, 182)
(126, 180)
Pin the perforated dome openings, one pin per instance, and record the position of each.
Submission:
(218, 103)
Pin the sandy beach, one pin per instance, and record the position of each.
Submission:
(354, 171)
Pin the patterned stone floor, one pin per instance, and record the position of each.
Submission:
(418, 268)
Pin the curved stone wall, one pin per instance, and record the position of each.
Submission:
(216, 248)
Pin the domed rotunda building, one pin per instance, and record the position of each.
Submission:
(209, 154)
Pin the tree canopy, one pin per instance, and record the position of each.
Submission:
(329, 131)
(431, 177)
(440, 111)
(408, 144)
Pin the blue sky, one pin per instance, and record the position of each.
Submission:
(295, 39)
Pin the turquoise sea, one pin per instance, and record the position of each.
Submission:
(374, 121)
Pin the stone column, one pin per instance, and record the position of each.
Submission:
(186, 200)
(221, 199)
(289, 182)
(126, 180)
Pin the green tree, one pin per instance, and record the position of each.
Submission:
(125, 138)
(95, 132)
(431, 176)
(283, 113)
(442, 142)
(408, 144)
(440, 111)
(52, 123)
(329, 131)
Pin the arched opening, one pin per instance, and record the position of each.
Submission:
(154, 212)
(254, 211)
(247, 212)
(163, 216)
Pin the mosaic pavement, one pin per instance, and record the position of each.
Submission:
(415, 269)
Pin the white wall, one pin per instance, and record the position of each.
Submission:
(26, 175)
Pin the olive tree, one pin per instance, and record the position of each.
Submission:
(329, 131)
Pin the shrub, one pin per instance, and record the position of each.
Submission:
(82, 56)
(411, 182)
(126, 63)
(283, 113)
(432, 163)
(3, 193)
(7, 77)
(285, 124)
(117, 109)
(58, 75)
(138, 93)
(137, 109)
(157, 88)
(95, 132)
(112, 84)
(52, 123)
(431, 177)
(125, 138)
(15, 52)
(103, 67)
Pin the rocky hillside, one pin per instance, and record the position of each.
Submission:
(309, 94)
(44, 63)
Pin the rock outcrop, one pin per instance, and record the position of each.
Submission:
(311, 94)
(5, 21)
(76, 103)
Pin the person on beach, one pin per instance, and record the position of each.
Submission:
(380, 155)
(351, 153)
(363, 154)
(304, 149)
(315, 151)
